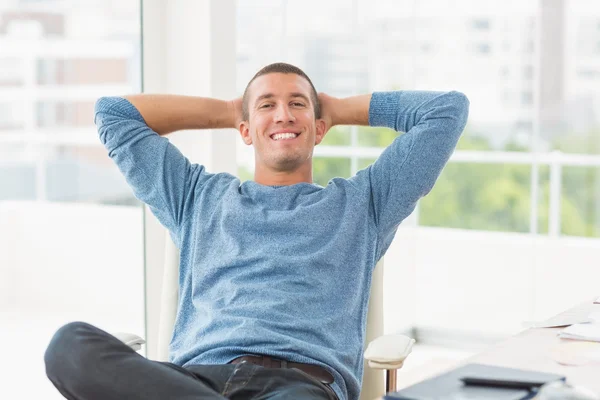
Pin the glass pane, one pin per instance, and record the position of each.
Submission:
(365, 162)
(324, 169)
(570, 114)
(375, 137)
(330, 49)
(487, 52)
(245, 173)
(71, 231)
(479, 196)
(337, 136)
(579, 212)
(580, 208)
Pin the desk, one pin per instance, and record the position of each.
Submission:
(532, 350)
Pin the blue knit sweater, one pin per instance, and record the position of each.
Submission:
(283, 271)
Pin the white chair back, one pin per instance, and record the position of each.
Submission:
(373, 385)
(373, 380)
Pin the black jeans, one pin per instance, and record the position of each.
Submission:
(86, 363)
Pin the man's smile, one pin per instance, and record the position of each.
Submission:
(284, 135)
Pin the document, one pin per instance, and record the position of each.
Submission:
(589, 332)
(574, 316)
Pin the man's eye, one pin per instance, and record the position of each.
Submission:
(265, 105)
(298, 104)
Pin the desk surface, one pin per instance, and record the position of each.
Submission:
(535, 349)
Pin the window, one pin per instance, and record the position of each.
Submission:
(579, 209)
(71, 236)
(500, 121)
(481, 197)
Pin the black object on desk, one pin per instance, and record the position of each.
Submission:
(478, 381)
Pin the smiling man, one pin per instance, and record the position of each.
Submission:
(274, 273)
(286, 125)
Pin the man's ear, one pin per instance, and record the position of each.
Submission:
(320, 131)
(245, 132)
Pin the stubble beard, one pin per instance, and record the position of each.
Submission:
(287, 162)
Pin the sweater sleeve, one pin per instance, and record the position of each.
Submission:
(158, 173)
(409, 167)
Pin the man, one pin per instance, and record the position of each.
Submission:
(275, 272)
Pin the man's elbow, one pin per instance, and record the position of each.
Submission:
(461, 103)
(102, 105)
(457, 110)
(105, 103)
(103, 115)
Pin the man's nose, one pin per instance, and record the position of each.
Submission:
(284, 114)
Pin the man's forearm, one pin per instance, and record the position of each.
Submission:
(169, 113)
(352, 110)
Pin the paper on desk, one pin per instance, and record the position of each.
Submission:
(574, 316)
(588, 332)
(564, 319)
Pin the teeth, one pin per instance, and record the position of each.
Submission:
(286, 135)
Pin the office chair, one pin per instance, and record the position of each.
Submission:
(382, 352)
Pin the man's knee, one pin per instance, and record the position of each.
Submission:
(67, 351)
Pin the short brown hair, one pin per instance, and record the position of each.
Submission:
(282, 68)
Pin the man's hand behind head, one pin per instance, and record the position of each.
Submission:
(328, 110)
(235, 110)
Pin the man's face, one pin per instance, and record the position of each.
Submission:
(282, 125)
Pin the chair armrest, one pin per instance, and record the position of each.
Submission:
(131, 340)
(389, 351)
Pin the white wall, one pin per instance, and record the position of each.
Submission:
(74, 261)
(485, 282)
(61, 263)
